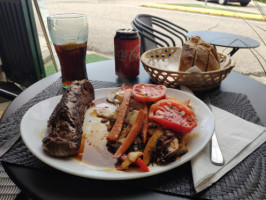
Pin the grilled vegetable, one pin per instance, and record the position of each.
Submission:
(145, 125)
(115, 96)
(151, 145)
(135, 130)
(173, 115)
(149, 92)
(139, 162)
(172, 150)
(114, 133)
(131, 158)
(151, 125)
(142, 165)
(131, 117)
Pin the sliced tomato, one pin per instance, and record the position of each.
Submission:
(148, 92)
(173, 115)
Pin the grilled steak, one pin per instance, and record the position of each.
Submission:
(65, 123)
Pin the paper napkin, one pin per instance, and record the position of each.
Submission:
(237, 139)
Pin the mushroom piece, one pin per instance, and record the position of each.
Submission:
(105, 113)
(173, 150)
(115, 96)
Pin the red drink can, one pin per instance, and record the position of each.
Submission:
(127, 53)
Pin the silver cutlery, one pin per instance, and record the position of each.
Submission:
(216, 155)
(5, 147)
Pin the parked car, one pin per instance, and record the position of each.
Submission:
(223, 2)
(242, 2)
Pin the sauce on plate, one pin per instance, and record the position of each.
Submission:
(93, 150)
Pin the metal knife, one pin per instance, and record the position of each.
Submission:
(215, 152)
(5, 147)
(216, 155)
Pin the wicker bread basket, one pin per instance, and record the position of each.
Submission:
(195, 81)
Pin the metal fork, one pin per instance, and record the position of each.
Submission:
(216, 155)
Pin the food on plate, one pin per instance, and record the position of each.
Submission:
(148, 92)
(134, 126)
(115, 95)
(148, 127)
(65, 123)
(132, 134)
(114, 133)
(173, 115)
(197, 52)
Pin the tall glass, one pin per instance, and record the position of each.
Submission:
(69, 34)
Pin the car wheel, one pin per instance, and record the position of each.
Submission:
(243, 3)
(222, 2)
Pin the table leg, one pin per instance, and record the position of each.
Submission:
(233, 51)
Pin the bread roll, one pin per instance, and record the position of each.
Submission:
(201, 58)
(199, 53)
(213, 63)
(187, 56)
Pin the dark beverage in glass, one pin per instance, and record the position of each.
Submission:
(69, 34)
(72, 59)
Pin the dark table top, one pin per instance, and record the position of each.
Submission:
(58, 185)
(225, 39)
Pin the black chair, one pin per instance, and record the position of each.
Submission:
(19, 47)
(157, 32)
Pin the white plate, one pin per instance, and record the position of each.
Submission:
(34, 122)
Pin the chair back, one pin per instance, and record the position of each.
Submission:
(158, 32)
(19, 44)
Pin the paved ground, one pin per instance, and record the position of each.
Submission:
(106, 16)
